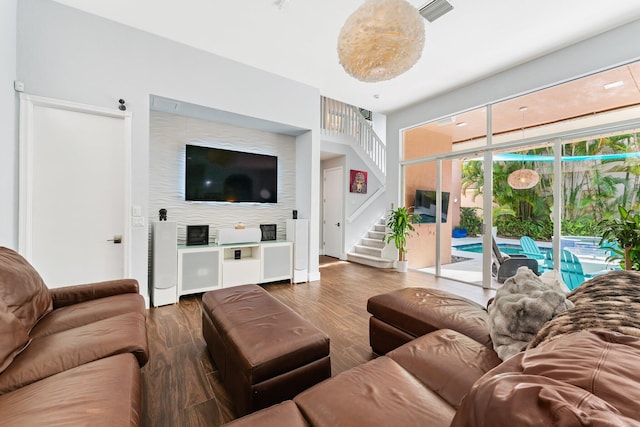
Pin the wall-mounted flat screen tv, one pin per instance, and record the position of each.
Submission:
(217, 175)
(425, 205)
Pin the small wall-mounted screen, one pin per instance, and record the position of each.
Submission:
(425, 205)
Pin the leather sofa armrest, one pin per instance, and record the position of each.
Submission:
(75, 294)
(447, 362)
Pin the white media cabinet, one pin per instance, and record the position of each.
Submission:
(204, 268)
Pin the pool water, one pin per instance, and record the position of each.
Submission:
(504, 248)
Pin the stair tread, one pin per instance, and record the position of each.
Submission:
(371, 261)
(367, 250)
(369, 256)
(372, 240)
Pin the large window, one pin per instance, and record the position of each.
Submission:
(437, 141)
(575, 144)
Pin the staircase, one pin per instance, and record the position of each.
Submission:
(371, 249)
(343, 120)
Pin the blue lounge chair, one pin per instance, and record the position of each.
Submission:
(530, 248)
(571, 270)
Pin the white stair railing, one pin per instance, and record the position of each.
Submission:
(339, 118)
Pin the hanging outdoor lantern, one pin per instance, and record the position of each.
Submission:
(523, 179)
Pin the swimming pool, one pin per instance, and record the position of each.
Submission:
(505, 248)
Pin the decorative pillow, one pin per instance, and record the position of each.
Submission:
(608, 302)
(520, 308)
(24, 299)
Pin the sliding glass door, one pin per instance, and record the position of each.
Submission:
(535, 173)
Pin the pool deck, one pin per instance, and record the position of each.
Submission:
(470, 271)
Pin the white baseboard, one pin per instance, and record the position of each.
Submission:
(314, 277)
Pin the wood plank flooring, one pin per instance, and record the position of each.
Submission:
(181, 386)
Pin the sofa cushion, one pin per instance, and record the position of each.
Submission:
(102, 393)
(24, 298)
(84, 313)
(285, 414)
(379, 392)
(585, 378)
(447, 362)
(52, 354)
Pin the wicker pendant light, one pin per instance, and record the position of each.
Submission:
(381, 40)
(523, 179)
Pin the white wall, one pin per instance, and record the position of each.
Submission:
(607, 50)
(67, 54)
(169, 134)
(8, 127)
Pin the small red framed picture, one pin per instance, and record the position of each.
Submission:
(358, 181)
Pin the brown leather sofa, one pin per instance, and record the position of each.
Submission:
(72, 355)
(586, 376)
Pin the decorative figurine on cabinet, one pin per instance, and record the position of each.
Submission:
(163, 214)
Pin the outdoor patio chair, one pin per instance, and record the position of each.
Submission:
(505, 266)
(571, 270)
(531, 249)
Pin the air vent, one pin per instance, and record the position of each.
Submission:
(435, 9)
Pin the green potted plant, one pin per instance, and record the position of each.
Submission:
(470, 221)
(399, 227)
(625, 233)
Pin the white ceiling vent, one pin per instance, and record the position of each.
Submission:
(435, 9)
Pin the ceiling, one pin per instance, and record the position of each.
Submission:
(582, 98)
(298, 39)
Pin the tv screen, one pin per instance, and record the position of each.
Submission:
(425, 205)
(217, 175)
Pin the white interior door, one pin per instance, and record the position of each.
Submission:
(74, 198)
(333, 221)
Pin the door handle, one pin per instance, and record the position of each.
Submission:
(338, 224)
(117, 239)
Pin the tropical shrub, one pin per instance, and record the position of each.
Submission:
(511, 226)
(470, 221)
(625, 233)
(595, 180)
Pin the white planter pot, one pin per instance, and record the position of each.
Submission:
(403, 266)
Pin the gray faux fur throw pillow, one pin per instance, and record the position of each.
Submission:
(520, 308)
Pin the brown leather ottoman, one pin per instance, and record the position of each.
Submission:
(399, 316)
(265, 352)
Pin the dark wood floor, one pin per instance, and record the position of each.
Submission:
(181, 386)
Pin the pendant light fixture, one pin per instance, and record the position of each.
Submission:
(381, 40)
(523, 179)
